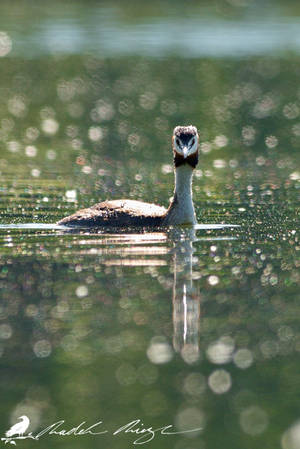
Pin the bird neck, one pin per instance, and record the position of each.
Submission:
(183, 184)
(181, 210)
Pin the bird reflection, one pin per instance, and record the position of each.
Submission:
(173, 247)
(186, 300)
(165, 247)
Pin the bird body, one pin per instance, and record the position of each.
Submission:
(126, 213)
(118, 213)
(19, 428)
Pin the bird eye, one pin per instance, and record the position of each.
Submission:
(177, 141)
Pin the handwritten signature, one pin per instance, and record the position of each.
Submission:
(144, 434)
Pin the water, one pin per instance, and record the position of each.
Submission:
(191, 327)
(113, 30)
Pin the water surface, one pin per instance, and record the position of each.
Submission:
(194, 327)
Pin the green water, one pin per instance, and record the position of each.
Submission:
(196, 328)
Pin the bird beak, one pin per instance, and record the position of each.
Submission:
(185, 151)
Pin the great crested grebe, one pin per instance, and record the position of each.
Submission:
(122, 213)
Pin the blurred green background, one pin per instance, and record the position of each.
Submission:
(91, 325)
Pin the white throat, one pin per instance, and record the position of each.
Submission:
(182, 210)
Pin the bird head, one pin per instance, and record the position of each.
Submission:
(185, 145)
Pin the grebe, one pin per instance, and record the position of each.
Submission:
(117, 213)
